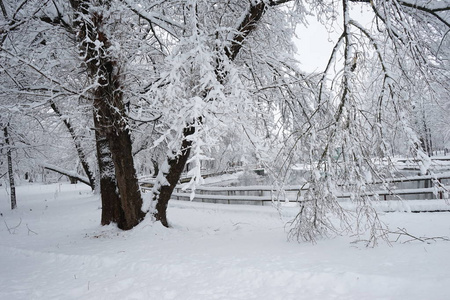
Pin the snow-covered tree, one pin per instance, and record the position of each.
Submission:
(208, 84)
(185, 80)
(376, 75)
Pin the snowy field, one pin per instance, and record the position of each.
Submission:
(52, 247)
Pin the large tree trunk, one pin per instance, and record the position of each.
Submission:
(111, 125)
(130, 194)
(125, 211)
(113, 137)
(111, 211)
(12, 186)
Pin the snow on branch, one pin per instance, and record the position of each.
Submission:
(38, 70)
(424, 5)
(246, 24)
(427, 6)
(156, 19)
(430, 7)
(62, 171)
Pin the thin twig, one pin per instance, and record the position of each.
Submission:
(13, 229)
(29, 230)
(402, 232)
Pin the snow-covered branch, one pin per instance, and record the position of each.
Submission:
(157, 19)
(68, 173)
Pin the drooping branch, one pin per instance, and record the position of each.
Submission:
(402, 232)
(414, 5)
(330, 62)
(384, 65)
(347, 60)
(37, 70)
(68, 173)
(14, 22)
(57, 21)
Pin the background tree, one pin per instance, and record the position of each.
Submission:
(8, 145)
(32, 41)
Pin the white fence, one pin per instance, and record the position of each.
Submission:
(391, 189)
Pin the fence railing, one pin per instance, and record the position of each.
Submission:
(390, 189)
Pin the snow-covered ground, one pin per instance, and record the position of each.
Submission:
(52, 247)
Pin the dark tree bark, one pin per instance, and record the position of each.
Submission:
(2, 6)
(10, 169)
(176, 166)
(425, 136)
(78, 147)
(155, 168)
(113, 137)
(111, 210)
(162, 193)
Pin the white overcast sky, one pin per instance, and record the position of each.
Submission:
(315, 43)
(314, 46)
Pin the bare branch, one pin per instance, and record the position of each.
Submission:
(402, 232)
(2, 6)
(29, 230)
(12, 230)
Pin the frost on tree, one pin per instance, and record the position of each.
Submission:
(200, 85)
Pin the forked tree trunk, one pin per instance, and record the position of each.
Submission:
(12, 186)
(113, 137)
(114, 140)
